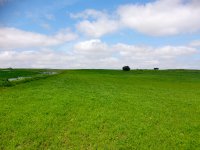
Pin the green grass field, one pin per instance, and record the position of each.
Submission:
(102, 109)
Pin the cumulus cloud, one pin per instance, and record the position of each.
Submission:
(43, 58)
(97, 28)
(100, 54)
(164, 52)
(157, 18)
(96, 23)
(94, 46)
(162, 17)
(16, 38)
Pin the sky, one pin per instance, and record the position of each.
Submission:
(99, 34)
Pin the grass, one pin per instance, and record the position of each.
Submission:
(103, 109)
(32, 74)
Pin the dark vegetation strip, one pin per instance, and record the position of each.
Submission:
(24, 75)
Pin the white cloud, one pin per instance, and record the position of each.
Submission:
(174, 51)
(154, 53)
(35, 59)
(157, 18)
(96, 54)
(93, 49)
(162, 17)
(16, 38)
(91, 46)
(95, 23)
(97, 28)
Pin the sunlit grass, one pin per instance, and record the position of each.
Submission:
(103, 109)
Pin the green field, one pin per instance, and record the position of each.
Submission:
(101, 109)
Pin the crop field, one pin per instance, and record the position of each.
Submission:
(100, 109)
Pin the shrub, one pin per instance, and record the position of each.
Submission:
(5, 83)
(126, 68)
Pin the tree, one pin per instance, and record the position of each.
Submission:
(126, 68)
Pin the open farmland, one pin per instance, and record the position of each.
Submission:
(102, 109)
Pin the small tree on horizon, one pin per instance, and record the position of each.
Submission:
(126, 68)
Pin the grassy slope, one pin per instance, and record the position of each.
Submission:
(88, 109)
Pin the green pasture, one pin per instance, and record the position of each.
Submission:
(101, 109)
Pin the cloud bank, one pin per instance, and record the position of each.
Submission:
(95, 23)
(11, 38)
(97, 54)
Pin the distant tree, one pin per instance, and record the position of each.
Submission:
(156, 68)
(126, 68)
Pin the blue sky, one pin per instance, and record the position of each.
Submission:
(100, 34)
